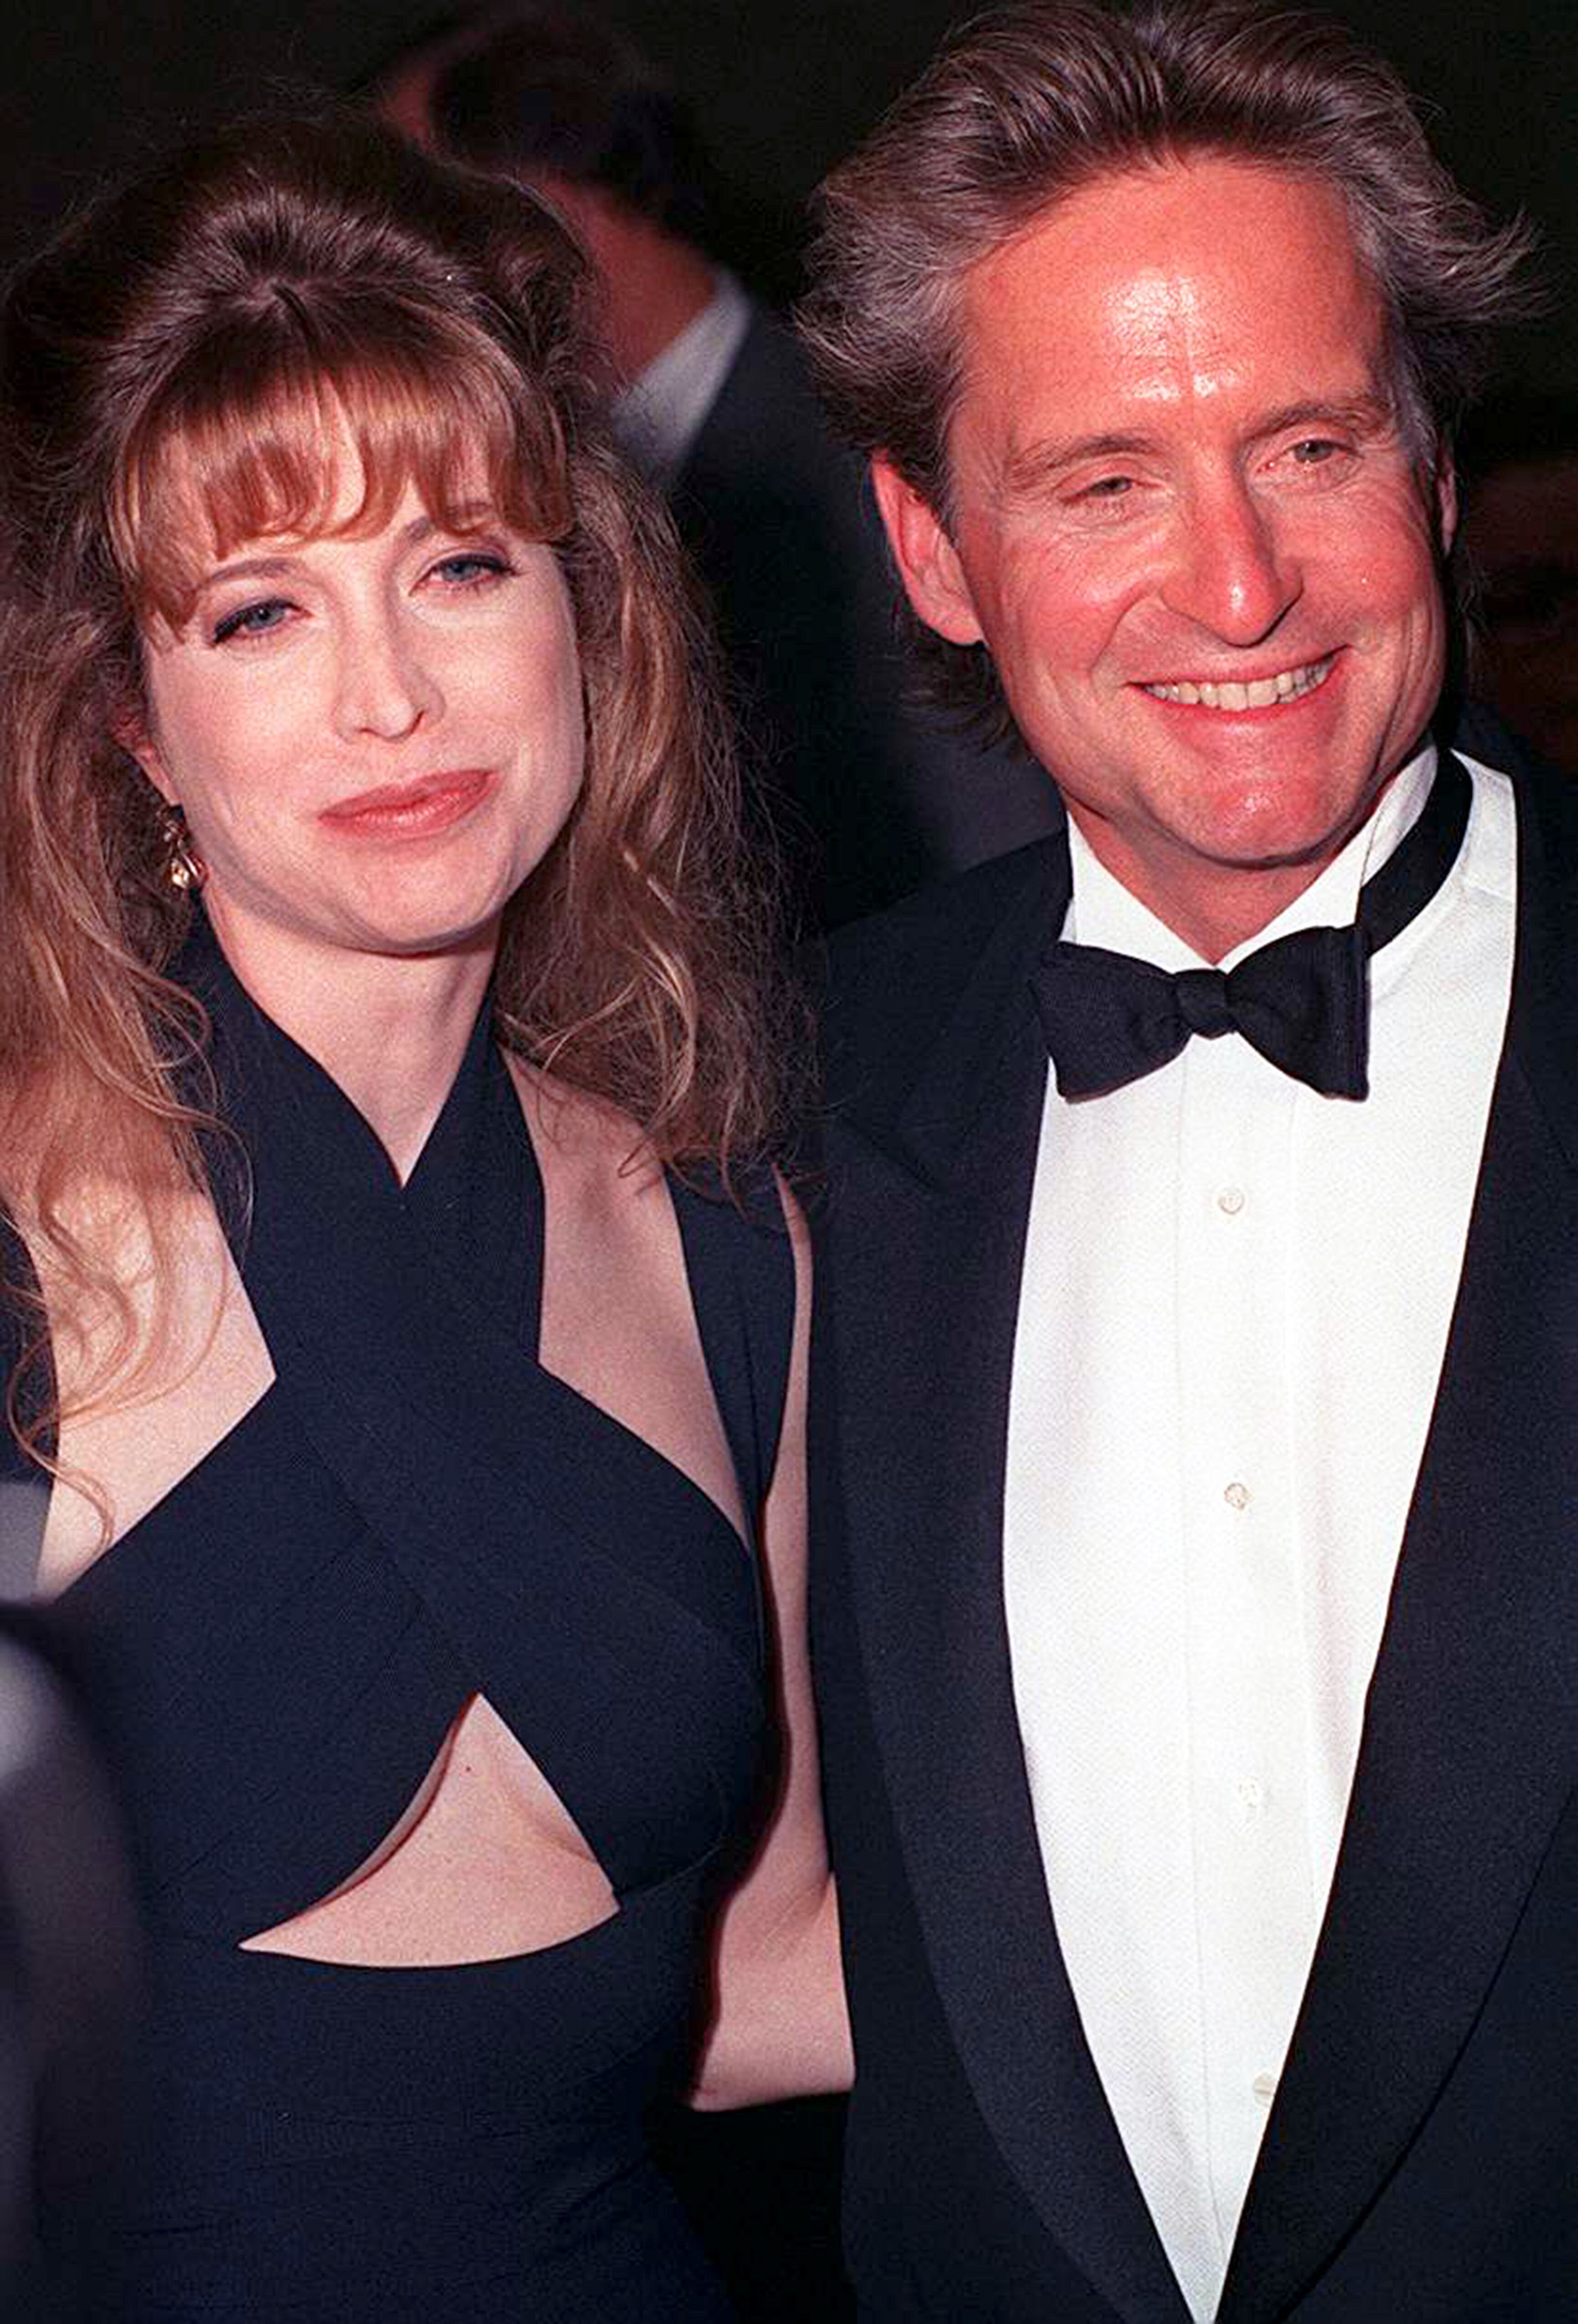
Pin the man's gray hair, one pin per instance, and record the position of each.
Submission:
(1035, 100)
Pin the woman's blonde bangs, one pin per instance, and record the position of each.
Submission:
(242, 445)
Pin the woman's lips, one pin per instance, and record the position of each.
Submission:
(412, 810)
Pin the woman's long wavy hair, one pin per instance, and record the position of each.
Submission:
(171, 370)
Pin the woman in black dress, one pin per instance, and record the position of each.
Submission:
(407, 1341)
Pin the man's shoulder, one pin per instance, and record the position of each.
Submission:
(1544, 806)
(1548, 800)
(941, 916)
(882, 983)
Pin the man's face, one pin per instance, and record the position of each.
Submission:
(1190, 531)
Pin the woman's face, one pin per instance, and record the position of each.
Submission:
(374, 738)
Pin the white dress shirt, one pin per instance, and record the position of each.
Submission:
(1233, 1310)
(664, 409)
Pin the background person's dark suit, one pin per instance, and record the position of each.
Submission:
(862, 795)
(1411, 2170)
(870, 795)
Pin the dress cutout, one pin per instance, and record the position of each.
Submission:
(415, 1514)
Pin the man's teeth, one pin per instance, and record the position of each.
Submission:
(1258, 694)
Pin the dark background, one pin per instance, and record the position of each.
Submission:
(90, 84)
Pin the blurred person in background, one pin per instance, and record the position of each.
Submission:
(865, 794)
(1519, 463)
(68, 1968)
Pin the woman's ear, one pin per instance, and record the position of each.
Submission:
(131, 730)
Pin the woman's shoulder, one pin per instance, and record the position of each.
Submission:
(604, 1186)
(594, 1148)
(600, 1156)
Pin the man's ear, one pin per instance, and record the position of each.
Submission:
(928, 563)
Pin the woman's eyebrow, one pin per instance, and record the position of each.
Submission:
(249, 568)
(420, 528)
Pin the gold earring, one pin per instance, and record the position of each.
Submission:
(183, 868)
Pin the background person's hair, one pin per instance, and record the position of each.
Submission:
(1036, 100)
(174, 366)
(558, 89)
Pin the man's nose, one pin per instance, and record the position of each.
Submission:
(1234, 573)
(386, 687)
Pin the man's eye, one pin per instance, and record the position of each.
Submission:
(1107, 488)
(252, 620)
(1315, 449)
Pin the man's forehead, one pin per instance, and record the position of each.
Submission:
(1166, 289)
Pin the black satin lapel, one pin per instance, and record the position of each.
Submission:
(504, 1499)
(933, 1009)
(1470, 1738)
(925, 1301)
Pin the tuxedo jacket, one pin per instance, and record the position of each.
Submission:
(867, 795)
(1420, 2163)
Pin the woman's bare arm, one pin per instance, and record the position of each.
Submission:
(779, 2027)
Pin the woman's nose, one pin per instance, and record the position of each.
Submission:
(386, 686)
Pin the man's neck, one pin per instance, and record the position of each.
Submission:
(1231, 912)
(1213, 908)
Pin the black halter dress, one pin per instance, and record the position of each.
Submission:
(416, 1513)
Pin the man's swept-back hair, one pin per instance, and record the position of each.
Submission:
(175, 371)
(1033, 101)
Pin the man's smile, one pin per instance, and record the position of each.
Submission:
(1246, 694)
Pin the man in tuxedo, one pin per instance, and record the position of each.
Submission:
(1196, 1371)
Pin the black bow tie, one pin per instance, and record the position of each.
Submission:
(1302, 1001)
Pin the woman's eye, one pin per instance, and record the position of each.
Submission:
(253, 621)
(470, 567)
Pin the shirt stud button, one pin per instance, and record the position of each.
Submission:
(1236, 1496)
(1230, 1201)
